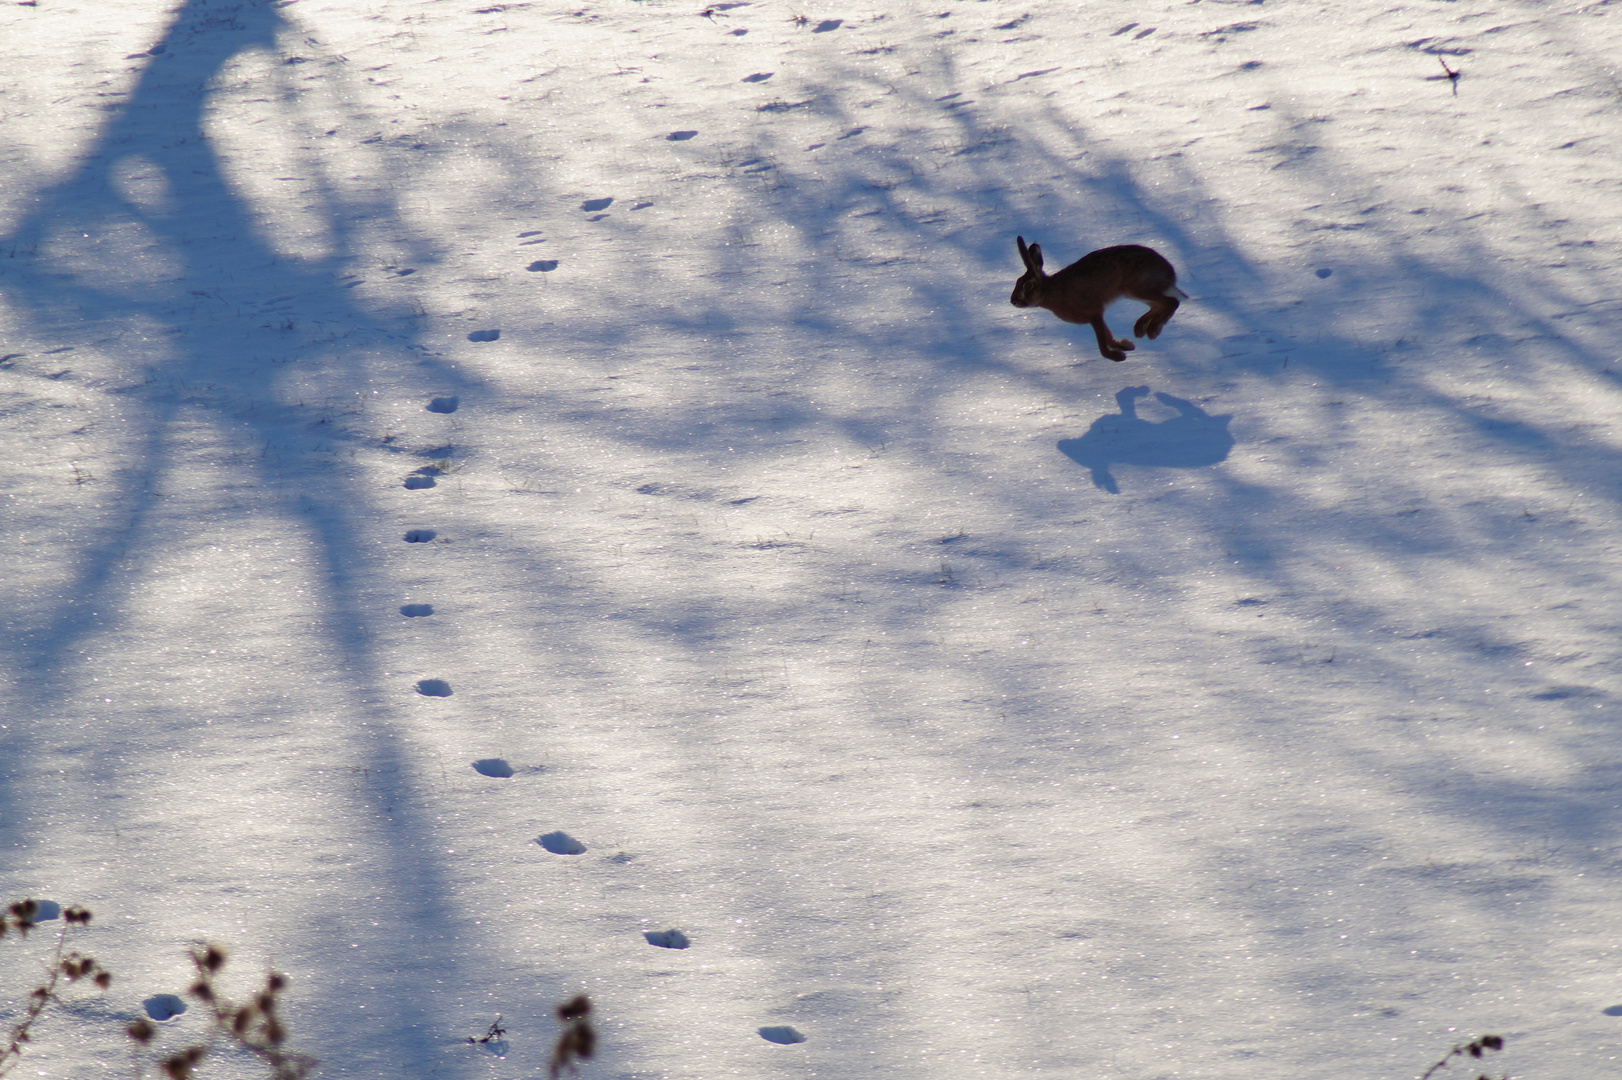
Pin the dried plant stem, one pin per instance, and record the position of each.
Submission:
(20, 917)
(1473, 1048)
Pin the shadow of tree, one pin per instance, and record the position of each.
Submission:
(926, 230)
(153, 191)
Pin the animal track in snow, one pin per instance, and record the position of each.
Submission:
(484, 335)
(667, 939)
(417, 611)
(420, 481)
(46, 910)
(561, 843)
(543, 265)
(420, 536)
(680, 136)
(591, 206)
(759, 76)
(161, 1007)
(783, 1036)
(493, 766)
(442, 405)
(434, 688)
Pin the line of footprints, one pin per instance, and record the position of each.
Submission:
(558, 843)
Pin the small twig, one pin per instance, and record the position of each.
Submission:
(1452, 76)
(1472, 1048)
(496, 1032)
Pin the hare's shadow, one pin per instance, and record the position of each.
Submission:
(1191, 439)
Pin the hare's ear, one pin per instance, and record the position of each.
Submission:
(1032, 254)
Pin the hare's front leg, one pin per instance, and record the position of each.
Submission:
(1107, 344)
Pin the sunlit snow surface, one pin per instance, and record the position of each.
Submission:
(645, 374)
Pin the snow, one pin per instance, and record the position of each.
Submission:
(969, 705)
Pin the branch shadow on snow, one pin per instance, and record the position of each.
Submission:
(937, 232)
(860, 218)
(166, 270)
(1300, 332)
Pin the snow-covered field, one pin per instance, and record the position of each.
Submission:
(975, 706)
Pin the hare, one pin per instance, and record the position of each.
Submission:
(1080, 292)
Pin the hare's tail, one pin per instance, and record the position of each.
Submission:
(1179, 292)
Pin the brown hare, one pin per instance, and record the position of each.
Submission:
(1081, 291)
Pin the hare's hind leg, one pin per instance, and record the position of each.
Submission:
(1151, 322)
